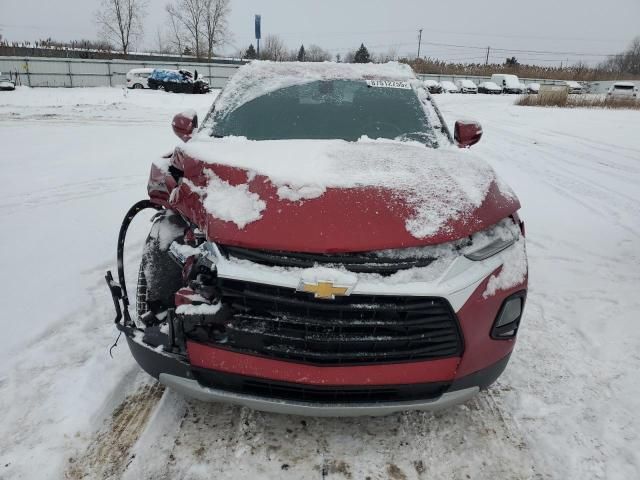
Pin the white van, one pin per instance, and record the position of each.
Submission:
(623, 89)
(509, 83)
(137, 78)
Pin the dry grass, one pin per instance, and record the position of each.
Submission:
(563, 99)
(576, 72)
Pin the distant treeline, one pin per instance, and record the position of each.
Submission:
(578, 72)
(623, 66)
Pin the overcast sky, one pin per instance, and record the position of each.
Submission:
(572, 27)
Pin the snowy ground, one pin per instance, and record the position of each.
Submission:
(74, 160)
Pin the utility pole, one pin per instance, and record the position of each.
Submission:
(419, 41)
(486, 62)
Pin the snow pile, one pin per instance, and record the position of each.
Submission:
(333, 275)
(231, 203)
(513, 271)
(295, 194)
(202, 309)
(439, 184)
(259, 78)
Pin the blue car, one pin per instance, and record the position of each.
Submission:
(178, 81)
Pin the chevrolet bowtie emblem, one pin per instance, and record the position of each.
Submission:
(324, 290)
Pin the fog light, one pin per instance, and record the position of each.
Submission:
(508, 319)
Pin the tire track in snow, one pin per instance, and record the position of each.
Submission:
(72, 191)
(108, 454)
(554, 167)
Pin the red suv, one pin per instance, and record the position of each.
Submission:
(323, 245)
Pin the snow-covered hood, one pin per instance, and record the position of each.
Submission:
(336, 196)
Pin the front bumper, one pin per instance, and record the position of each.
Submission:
(176, 373)
(193, 389)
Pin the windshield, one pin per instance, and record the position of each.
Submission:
(623, 87)
(334, 109)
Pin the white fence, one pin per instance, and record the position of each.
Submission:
(71, 72)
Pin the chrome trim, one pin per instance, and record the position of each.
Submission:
(193, 389)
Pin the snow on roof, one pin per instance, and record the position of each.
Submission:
(261, 77)
(624, 84)
(440, 184)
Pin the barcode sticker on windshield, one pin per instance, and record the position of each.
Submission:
(388, 84)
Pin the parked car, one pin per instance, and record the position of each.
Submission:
(6, 83)
(178, 81)
(533, 88)
(138, 78)
(509, 83)
(298, 265)
(449, 87)
(489, 87)
(574, 87)
(623, 90)
(466, 86)
(433, 86)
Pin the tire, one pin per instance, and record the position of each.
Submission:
(138, 86)
(159, 276)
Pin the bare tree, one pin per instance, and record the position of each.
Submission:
(120, 21)
(390, 56)
(165, 42)
(216, 13)
(317, 54)
(625, 62)
(273, 49)
(177, 39)
(190, 15)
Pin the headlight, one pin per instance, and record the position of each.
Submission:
(493, 248)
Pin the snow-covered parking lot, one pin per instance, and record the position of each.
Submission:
(74, 160)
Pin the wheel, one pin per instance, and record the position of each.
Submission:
(159, 276)
(138, 86)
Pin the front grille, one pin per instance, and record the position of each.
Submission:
(280, 322)
(313, 394)
(369, 262)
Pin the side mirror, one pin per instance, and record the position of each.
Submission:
(184, 124)
(467, 133)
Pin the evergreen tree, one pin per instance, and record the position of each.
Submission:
(250, 53)
(187, 52)
(362, 55)
(301, 54)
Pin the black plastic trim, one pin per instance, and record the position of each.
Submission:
(482, 378)
(515, 325)
(260, 387)
(155, 363)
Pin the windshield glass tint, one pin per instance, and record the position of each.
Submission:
(337, 109)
